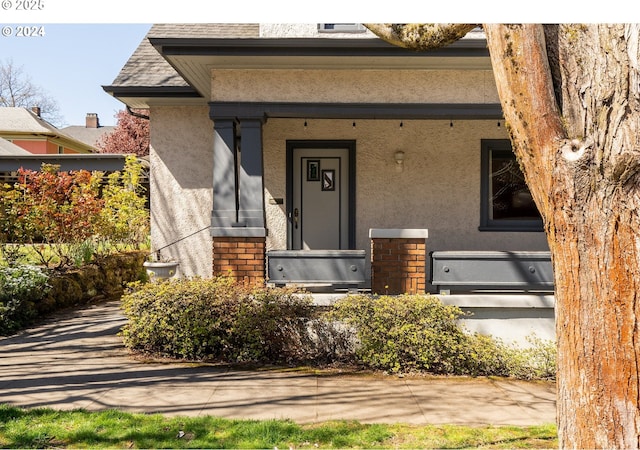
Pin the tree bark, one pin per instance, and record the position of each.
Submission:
(581, 164)
(570, 96)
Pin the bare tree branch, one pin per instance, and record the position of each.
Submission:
(17, 90)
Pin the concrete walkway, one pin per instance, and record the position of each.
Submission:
(78, 361)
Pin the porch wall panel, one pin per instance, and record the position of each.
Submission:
(370, 86)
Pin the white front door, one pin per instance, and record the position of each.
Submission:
(320, 206)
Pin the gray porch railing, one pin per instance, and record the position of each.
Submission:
(344, 268)
(491, 270)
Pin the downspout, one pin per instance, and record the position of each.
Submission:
(135, 114)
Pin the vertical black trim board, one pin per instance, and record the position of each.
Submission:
(320, 144)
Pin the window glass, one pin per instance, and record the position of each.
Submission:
(341, 27)
(507, 204)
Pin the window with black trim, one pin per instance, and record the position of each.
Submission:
(506, 203)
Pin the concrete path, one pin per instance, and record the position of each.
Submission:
(78, 361)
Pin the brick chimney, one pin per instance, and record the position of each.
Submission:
(92, 120)
(36, 110)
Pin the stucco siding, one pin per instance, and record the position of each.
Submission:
(372, 86)
(439, 188)
(181, 186)
(307, 30)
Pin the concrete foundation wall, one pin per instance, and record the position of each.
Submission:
(513, 318)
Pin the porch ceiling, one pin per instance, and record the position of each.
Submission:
(194, 59)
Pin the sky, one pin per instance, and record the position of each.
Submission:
(78, 48)
(72, 62)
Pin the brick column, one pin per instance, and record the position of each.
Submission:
(241, 258)
(398, 261)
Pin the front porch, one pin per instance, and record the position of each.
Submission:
(508, 295)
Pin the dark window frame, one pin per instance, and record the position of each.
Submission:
(341, 28)
(486, 223)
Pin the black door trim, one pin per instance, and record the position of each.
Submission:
(320, 144)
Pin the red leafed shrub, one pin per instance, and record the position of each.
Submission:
(64, 218)
(63, 206)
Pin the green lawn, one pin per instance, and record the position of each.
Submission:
(48, 428)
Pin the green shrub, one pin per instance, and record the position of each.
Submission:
(409, 333)
(537, 361)
(124, 220)
(216, 319)
(405, 333)
(20, 288)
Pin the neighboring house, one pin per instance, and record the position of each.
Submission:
(318, 152)
(9, 149)
(26, 129)
(91, 132)
(27, 141)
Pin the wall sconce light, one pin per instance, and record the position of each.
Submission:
(399, 158)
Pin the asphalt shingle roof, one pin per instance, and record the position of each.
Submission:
(8, 148)
(89, 136)
(147, 68)
(22, 120)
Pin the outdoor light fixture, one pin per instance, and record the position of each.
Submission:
(399, 158)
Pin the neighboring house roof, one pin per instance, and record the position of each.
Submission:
(89, 136)
(9, 149)
(17, 123)
(22, 120)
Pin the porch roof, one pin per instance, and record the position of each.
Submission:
(175, 63)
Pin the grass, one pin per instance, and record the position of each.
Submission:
(48, 428)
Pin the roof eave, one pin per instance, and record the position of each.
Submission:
(144, 96)
(309, 47)
(193, 58)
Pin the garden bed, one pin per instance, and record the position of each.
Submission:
(105, 278)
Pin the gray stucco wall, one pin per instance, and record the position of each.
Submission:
(181, 186)
(394, 86)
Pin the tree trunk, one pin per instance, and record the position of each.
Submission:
(578, 145)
